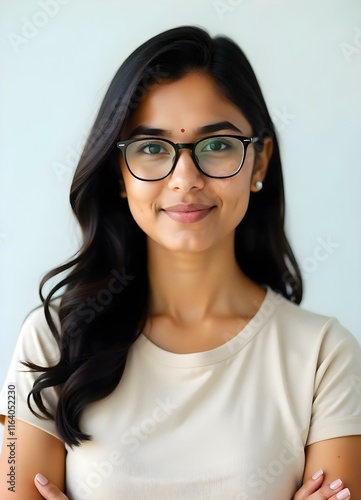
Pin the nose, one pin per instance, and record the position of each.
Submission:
(186, 176)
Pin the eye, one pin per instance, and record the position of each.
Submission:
(214, 145)
(152, 148)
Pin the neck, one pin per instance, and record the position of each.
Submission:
(191, 286)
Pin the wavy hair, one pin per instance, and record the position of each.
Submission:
(104, 296)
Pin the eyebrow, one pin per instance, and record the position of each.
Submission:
(206, 129)
(215, 127)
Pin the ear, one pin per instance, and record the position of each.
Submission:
(261, 163)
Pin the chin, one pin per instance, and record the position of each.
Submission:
(190, 246)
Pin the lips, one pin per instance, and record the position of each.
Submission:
(190, 207)
(188, 213)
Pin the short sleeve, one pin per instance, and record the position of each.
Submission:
(37, 344)
(336, 409)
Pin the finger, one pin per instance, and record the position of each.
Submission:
(333, 491)
(48, 490)
(312, 489)
(310, 486)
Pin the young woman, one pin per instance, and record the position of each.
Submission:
(177, 363)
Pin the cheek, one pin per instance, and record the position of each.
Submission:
(235, 200)
(233, 192)
(141, 197)
(238, 205)
(137, 192)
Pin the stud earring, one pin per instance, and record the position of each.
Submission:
(259, 185)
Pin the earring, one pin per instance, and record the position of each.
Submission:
(259, 185)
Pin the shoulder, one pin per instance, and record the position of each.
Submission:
(36, 340)
(36, 317)
(322, 360)
(308, 329)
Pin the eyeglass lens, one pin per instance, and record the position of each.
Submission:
(154, 158)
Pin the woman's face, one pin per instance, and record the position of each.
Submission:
(216, 206)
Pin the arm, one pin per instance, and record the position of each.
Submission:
(336, 410)
(339, 458)
(35, 451)
(343, 454)
(312, 489)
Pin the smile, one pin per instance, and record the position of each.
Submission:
(187, 214)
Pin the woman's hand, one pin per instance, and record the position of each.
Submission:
(313, 489)
(48, 490)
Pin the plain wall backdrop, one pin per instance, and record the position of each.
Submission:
(57, 58)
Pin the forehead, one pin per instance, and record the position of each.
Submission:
(188, 103)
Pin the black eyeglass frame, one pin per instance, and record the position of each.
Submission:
(246, 141)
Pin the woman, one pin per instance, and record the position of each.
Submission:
(177, 362)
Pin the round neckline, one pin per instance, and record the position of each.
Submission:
(220, 353)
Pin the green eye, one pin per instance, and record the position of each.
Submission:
(214, 146)
(154, 149)
(151, 149)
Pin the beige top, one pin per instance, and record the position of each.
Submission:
(228, 423)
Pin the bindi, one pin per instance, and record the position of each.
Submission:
(182, 130)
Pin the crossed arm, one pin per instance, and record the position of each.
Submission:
(338, 458)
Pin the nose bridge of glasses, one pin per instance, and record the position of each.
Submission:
(185, 145)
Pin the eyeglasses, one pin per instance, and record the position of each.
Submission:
(150, 159)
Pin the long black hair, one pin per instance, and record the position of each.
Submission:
(103, 301)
